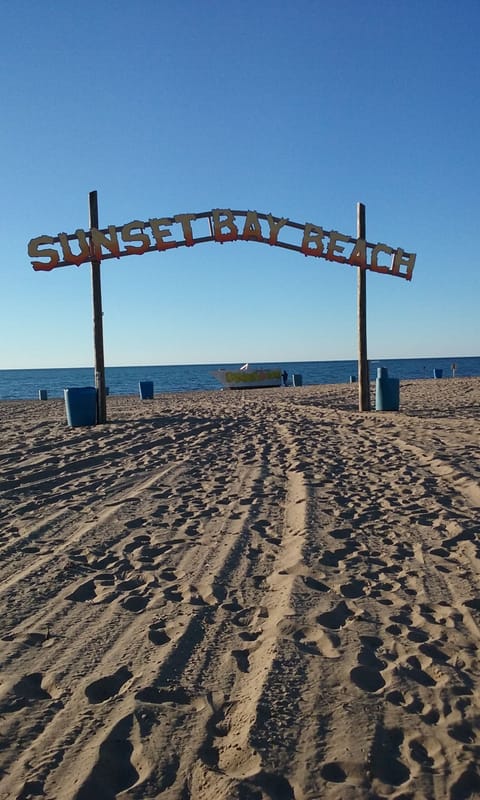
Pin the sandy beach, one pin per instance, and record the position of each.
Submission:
(242, 596)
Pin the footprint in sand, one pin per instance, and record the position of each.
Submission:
(135, 603)
(473, 603)
(402, 617)
(107, 687)
(332, 558)
(314, 584)
(367, 679)
(250, 636)
(173, 593)
(468, 784)
(32, 788)
(337, 617)
(158, 695)
(355, 588)
(29, 639)
(148, 556)
(232, 605)
(128, 584)
(100, 589)
(341, 533)
(409, 701)
(157, 633)
(317, 642)
(367, 675)
(245, 617)
(333, 772)
(242, 657)
(428, 752)
(83, 593)
(413, 671)
(137, 542)
(168, 575)
(27, 690)
(430, 716)
(462, 732)
(394, 630)
(161, 511)
(417, 635)
(368, 658)
(138, 522)
(413, 704)
(105, 579)
(192, 530)
(194, 596)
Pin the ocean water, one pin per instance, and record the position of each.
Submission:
(24, 384)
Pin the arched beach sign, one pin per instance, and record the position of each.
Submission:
(218, 225)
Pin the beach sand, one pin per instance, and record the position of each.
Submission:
(242, 595)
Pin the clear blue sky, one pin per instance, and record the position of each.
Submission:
(299, 109)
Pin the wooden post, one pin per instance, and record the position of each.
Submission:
(363, 377)
(98, 322)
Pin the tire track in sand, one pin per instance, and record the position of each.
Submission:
(81, 731)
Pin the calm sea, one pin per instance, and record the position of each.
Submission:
(24, 384)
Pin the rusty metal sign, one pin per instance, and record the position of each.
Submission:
(218, 225)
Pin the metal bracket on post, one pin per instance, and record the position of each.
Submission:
(363, 377)
(98, 321)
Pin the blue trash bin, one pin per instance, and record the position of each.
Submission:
(81, 406)
(387, 396)
(353, 378)
(438, 373)
(42, 394)
(145, 389)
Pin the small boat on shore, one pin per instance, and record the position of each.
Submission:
(248, 377)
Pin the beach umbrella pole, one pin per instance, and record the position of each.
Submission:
(363, 378)
(97, 321)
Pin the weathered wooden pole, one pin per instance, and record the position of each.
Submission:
(98, 322)
(363, 377)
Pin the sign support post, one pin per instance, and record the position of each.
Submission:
(97, 321)
(363, 377)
